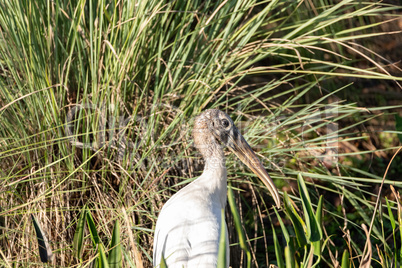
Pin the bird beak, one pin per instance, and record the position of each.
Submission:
(238, 145)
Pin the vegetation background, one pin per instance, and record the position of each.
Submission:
(96, 103)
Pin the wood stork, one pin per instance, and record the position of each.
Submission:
(188, 227)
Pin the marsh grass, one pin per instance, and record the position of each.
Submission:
(97, 100)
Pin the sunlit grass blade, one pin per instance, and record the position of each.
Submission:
(222, 243)
(238, 225)
(318, 215)
(163, 262)
(115, 254)
(102, 259)
(289, 258)
(345, 259)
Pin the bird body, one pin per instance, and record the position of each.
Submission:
(191, 227)
(188, 229)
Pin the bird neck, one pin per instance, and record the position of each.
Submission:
(215, 163)
(213, 156)
(215, 177)
(212, 152)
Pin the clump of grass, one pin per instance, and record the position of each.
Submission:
(97, 100)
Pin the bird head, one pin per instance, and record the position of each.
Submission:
(214, 127)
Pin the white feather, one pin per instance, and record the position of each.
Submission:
(188, 227)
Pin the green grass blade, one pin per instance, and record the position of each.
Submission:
(92, 230)
(163, 262)
(45, 252)
(318, 215)
(103, 262)
(222, 243)
(115, 257)
(79, 234)
(278, 250)
(238, 225)
(393, 225)
(390, 214)
(314, 232)
(285, 232)
(290, 259)
(298, 223)
(345, 259)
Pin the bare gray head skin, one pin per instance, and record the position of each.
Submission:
(213, 128)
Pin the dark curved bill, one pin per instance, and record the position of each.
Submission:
(238, 145)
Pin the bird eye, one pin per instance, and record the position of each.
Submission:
(225, 123)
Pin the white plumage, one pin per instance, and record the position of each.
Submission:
(188, 227)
